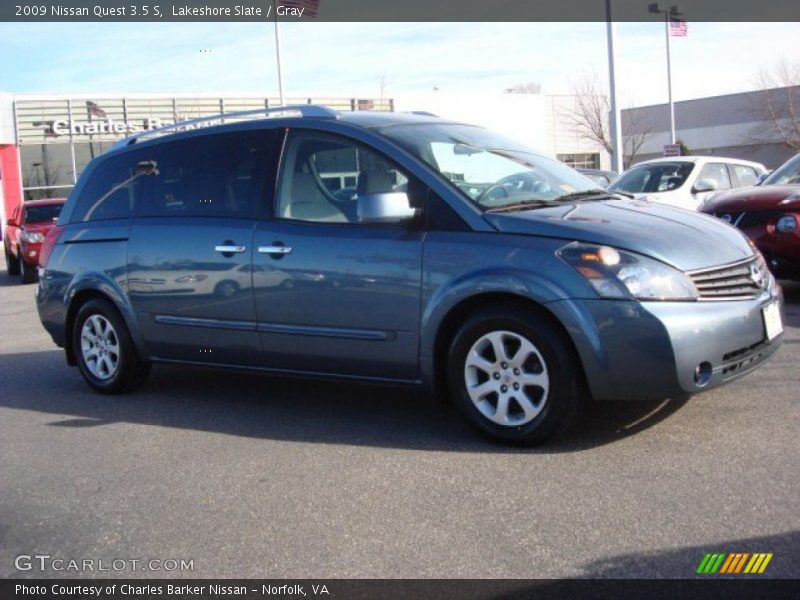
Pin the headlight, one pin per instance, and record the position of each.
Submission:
(32, 237)
(617, 273)
(786, 224)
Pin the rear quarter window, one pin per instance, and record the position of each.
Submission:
(113, 190)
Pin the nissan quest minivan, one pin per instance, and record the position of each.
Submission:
(399, 248)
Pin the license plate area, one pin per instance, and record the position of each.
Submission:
(773, 324)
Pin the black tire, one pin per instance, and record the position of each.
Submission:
(29, 273)
(12, 264)
(559, 368)
(131, 372)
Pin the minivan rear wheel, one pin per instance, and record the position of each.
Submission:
(104, 350)
(514, 376)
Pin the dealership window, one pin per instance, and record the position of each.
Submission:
(580, 161)
(46, 170)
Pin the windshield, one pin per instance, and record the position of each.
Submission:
(44, 213)
(654, 177)
(490, 170)
(787, 173)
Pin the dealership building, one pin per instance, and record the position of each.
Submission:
(46, 140)
(748, 125)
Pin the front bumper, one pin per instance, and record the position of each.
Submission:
(29, 253)
(651, 350)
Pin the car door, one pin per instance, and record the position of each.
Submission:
(335, 293)
(190, 249)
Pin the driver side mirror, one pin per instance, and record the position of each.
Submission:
(762, 177)
(384, 207)
(704, 185)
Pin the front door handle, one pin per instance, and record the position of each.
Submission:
(230, 249)
(275, 250)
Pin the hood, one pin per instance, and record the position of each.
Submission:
(681, 238)
(762, 197)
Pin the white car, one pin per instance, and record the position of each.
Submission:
(686, 181)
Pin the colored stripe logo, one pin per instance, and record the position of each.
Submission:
(734, 563)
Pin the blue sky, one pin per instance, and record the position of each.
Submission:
(349, 59)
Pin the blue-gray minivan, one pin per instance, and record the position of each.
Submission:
(397, 248)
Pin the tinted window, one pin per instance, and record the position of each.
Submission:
(718, 173)
(653, 177)
(324, 176)
(113, 189)
(745, 175)
(787, 173)
(219, 175)
(42, 214)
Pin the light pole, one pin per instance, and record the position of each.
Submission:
(669, 13)
(615, 124)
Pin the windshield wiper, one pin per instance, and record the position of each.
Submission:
(588, 195)
(524, 205)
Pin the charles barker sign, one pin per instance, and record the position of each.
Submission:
(109, 126)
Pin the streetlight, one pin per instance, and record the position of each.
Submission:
(615, 119)
(669, 13)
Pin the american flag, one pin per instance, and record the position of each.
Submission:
(95, 110)
(310, 7)
(678, 28)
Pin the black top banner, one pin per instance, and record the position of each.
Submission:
(395, 10)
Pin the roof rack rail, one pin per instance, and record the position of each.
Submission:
(301, 110)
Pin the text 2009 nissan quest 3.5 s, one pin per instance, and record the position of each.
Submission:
(397, 248)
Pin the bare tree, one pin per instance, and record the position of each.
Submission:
(531, 87)
(589, 119)
(777, 107)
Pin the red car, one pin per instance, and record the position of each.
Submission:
(769, 214)
(25, 232)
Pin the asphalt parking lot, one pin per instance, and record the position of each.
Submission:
(255, 476)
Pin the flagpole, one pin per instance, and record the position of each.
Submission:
(278, 56)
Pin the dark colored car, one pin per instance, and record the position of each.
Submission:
(769, 214)
(25, 232)
(599, 176)
(454, 259)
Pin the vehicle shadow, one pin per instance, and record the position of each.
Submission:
(281, 408)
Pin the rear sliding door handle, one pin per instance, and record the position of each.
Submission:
(275, 250)
(230, 249)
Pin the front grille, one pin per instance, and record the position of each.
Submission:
(743, 220)
(738, 281)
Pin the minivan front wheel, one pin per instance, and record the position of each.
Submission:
(513, 376)
(104, 351)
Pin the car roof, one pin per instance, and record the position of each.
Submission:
(311, 114)
(700, 159)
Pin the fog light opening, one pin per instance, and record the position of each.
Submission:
(702, 374)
